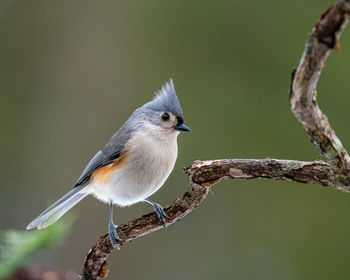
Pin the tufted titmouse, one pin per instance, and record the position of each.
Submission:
(132, 166)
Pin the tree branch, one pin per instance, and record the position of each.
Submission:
(203, 174)
(323, 38)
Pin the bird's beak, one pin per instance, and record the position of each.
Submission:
(182, 127)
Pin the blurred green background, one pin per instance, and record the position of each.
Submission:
(71, 72)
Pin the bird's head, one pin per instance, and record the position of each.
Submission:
(164, 113)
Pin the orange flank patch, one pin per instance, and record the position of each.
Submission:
(104, 174)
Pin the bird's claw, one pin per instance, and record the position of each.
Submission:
(160, 212)
(113, 235)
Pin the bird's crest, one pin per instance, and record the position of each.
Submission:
(166, 100)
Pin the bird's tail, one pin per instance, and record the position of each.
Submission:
(59, 208)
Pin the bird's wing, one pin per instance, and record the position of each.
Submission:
(109, 154)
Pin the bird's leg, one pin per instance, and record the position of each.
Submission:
(159, 210)
(112, 228)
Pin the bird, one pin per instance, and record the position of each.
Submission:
(132, 166)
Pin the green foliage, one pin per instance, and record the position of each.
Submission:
(16, 247)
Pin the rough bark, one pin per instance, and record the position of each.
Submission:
(323, 38)
(334, 172)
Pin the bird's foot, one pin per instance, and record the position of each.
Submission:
(160, 212)
(113, 235)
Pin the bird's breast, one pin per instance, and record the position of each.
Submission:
(153, 159)
(142, 170)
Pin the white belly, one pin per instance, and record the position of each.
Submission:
(143, 172)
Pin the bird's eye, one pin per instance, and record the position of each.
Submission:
(165, 116)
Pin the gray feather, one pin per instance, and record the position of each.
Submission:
(166, 100)
(95, 163)
(110, 153)
(58, 209)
